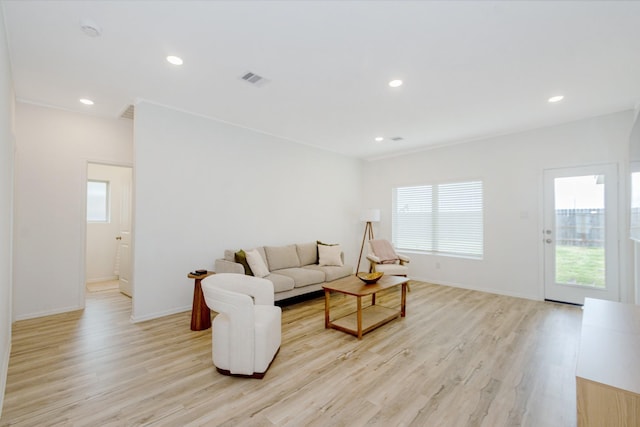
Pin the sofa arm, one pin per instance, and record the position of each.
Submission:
(224, 266)
(404, 259)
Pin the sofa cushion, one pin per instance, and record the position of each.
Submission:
(332, 272)
(303, 277)
(280, 283)
(257, 264)
(329, 255)
(307, 253)
(241, 258)
(280, 257)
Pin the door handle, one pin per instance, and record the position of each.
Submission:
(119, 238)
(548, 240)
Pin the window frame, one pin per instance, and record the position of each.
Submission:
(107, 202)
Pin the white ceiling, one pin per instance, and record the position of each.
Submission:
(471, 69)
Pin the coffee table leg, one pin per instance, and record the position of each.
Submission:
(403, 301)
(359, 318)
(327, 301)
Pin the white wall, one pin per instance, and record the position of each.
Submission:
(53, 149)
(203, 186)
(511, 168)
(101, 236)
(6, 203)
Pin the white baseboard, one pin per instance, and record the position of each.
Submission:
(138, 319)
(479, 289)
(3, 374)
(48, 312)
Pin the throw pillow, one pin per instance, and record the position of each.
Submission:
(256, 263)
(323, 244)
(241, 258)
(329, 255)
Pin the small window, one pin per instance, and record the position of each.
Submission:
(97, 201)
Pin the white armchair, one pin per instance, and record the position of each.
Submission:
(385, 259)
(246, 333)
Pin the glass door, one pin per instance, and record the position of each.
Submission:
(580, 234)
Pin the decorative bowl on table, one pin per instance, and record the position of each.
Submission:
(370, 278)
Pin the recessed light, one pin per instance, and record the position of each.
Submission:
(86, 101)
(395, 83)
(379, 138)
(175, 60)
(556, 98)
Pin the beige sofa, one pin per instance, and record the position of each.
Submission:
(293, 269)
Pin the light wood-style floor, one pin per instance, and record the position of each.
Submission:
(459, 358)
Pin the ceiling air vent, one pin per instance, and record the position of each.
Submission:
(254, 79)
(397, 138)
(128, 113)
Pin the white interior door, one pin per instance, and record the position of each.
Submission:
(580, 233)
(125, 235)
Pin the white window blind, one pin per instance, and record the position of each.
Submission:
(443, 218)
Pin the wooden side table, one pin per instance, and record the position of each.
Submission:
(200, 313)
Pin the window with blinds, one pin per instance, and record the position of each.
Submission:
(442, 218)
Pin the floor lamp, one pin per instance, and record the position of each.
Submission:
(368, 216)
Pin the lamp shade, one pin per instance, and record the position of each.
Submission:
(370, 215)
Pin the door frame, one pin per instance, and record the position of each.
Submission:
(84, 173)
(614, 218)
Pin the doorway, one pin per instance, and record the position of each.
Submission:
(108, 227)
(580, 234)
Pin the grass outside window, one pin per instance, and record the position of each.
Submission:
(580, 265)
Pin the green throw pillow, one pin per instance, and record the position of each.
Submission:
(241, 258)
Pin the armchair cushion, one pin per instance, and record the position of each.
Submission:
(384, 250)
(391, 269)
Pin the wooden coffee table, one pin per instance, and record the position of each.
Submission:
(363, 320)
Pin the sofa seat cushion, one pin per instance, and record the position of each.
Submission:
(332, 272)
(280, 283)
(303, 276)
